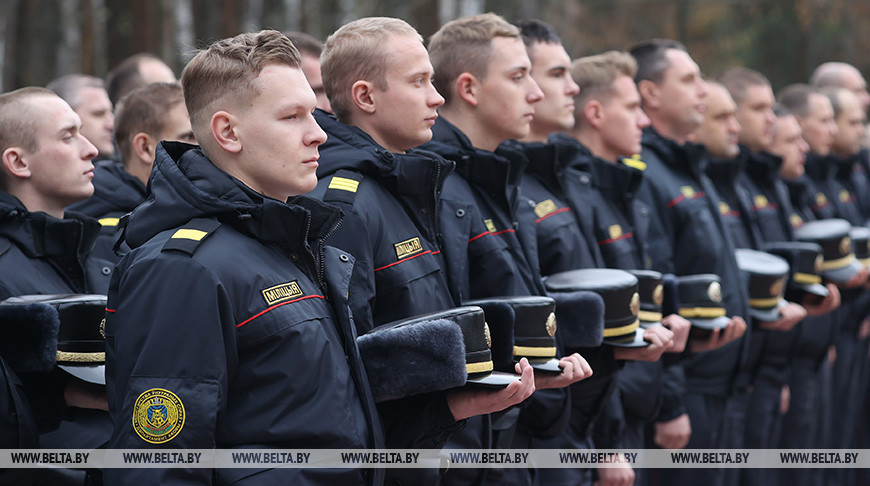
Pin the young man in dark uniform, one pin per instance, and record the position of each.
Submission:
(391, 195)
(482, 70)
(143, 118)
(229, 311)
(557, 167)
(745, 210)
(46, 166)
(686, 236)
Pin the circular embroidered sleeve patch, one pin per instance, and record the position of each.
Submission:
(158, 415)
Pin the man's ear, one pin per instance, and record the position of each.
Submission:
(361, 93)
(14, 163)
(649, 93)
(594, 113)
(467, 88)
(144, 146)
(223, 130)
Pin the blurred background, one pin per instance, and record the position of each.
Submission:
(784, 39)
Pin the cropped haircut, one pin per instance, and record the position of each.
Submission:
(126, 77)
(780, 110)
(796, 98)
(737, 80)
(465, 46)
(144, 110)
(19, 124)
(595, 76)
(227, 68)
(306, 43)
(834, 95)
(652, 60)
(67, 87)
(831, 74)
(356, 52)
(537, 32)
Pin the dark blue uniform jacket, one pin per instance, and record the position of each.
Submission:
(687, 237)
(116, 193)
(230, 303)
(390, 204)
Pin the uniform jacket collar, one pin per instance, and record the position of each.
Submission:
(114, 190)
(413, 173)
(40, 235)
(497, 173)
(688, 157)
(185, 185)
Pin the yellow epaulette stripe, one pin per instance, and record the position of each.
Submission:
(189, 234)
(344, 184)
(109, 221)
(634, 163)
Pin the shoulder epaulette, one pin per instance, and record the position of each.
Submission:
(635, 162)
(5, 245)
(343, 186)
(188, 237)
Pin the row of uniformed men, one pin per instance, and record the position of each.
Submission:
(495, 199)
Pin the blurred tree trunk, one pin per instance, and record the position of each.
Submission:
(8, 46)
(253, 18)
(69, 52)
(185, 36)
(292, 16)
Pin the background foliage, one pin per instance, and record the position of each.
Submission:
(785, 39)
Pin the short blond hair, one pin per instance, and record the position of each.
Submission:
(19, 123)
(226, 69)
(356, 52)
(595, 76)
(465, 46)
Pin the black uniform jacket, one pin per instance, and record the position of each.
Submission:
(116, 193)
(390, 204)
(230, 308)
(735, 205)
(557, 180)
(771, 209)
(687, 237)
(501, 255)
(391, 226)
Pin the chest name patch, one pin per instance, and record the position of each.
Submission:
(544, 208)
(408, 247)
(280, 293)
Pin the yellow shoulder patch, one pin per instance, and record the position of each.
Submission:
(634, 162)
(343, 184)
(760, 201)
(189, 234)
(844, 196)
(109, 221)
(724, 208)
(158, 416)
